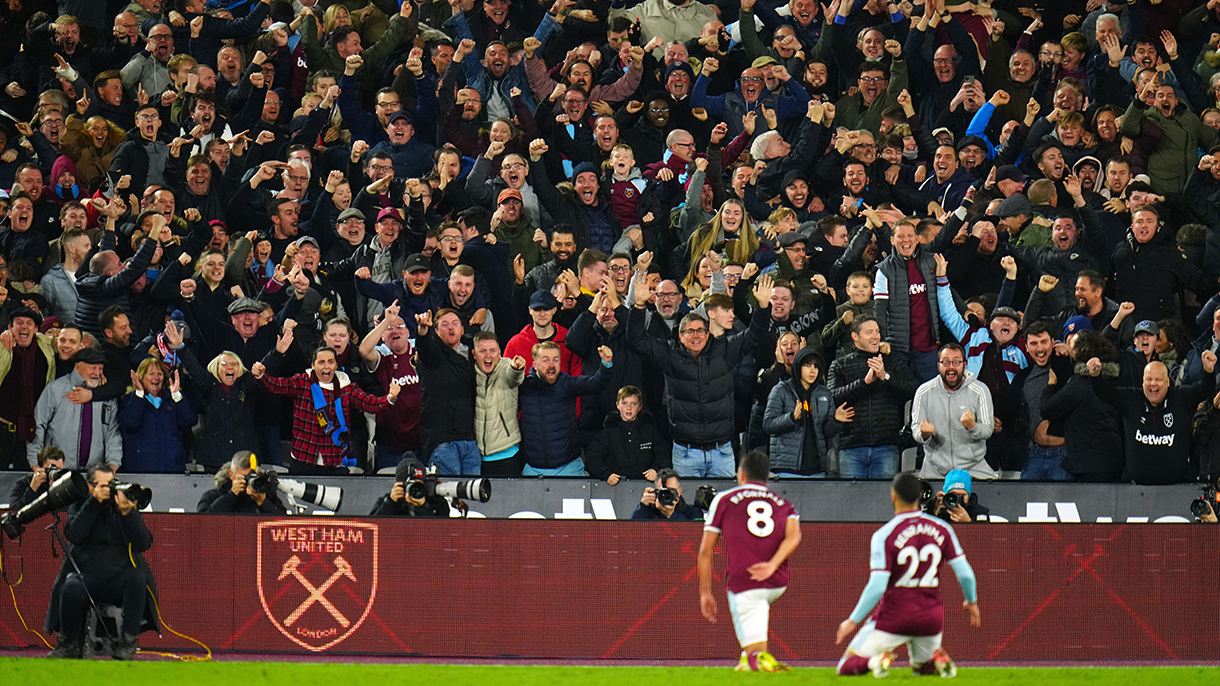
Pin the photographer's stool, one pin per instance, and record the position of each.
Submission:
(97, 641)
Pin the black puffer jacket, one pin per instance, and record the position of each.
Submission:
(699, 390)
(879, 405)
(228, 424)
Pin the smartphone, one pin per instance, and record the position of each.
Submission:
(969, 80)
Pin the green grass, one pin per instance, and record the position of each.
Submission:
(34, 672)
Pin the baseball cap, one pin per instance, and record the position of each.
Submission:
(792, 238)
(1006, 312)
(400, 114)
(941, 130)
(1076, 324)
(1014, 206)
(417, 263)
(389, 212)
(1087, 159)
(760, 62)
(957, 478)
(509, 194)
(543, 300)
(306, 239)
(349, 213)
(1009, 172)
(1147, 326)
(244, 305)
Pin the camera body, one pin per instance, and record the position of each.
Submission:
(1211, 496)
(667, 497)
(424, 483)
(136, 493)
(263, 481)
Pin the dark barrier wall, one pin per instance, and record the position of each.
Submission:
(630, 589)
(816, 500)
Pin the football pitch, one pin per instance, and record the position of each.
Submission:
(37, 671)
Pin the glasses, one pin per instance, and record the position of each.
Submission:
(658, 110)
(162, 37)
(575, 101)
(684, 145)
(872, 79)
(396, 327)
(866, 146)
(381, 167)
(393, 103)
(298, 179)
(952, 363)
(942, 60)
(619, 268)
(747, 79)
(512, 165)
(694, 332)
(148, 117)
(661, 295)
(732, 277)
(450, 239)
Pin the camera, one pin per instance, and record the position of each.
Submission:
(66, 488)
(952, 500)
(136, 493)
(1199, 506)
(704, 495)
(261, 481)
(423, 483)
(666, 497)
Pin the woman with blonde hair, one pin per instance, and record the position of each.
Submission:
(228, 392)
(153, 418)
(728, 232)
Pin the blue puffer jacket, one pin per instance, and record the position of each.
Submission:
(152, 436)
(548, 416)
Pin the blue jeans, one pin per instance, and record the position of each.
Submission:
(574, 468)
(923, 365)
(869, 462)
(457, 458)
(718, 462)
(1044, 464)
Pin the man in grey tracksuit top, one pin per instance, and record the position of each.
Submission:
(952, 417)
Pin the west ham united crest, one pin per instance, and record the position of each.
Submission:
(317, 582)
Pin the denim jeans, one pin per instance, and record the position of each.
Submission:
(923, 365)
(718, 462)
(1044, 464)
(574, 468)
(457, 458)
(869, 462)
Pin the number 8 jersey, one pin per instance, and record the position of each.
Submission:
(751, 519)
(911, 547)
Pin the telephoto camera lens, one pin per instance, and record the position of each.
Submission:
(473, 489)
(951, 500)
(136, 493)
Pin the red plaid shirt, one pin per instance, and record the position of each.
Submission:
(309, 440)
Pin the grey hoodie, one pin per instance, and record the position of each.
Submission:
(951, 446)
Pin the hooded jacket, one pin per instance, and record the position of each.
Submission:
(788, 434)
(953, 446)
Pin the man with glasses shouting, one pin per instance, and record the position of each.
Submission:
(952, 417)
(699, 371)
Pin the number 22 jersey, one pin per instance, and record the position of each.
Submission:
(911, 547)
(752, 520)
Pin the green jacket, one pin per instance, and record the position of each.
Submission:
(837, 333)
(45, 344)
(495, 407)
(1182, 135)
(318, 57)
(850, 110)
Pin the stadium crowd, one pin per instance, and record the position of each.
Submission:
(564, 237)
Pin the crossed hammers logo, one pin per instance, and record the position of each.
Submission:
(316, 594)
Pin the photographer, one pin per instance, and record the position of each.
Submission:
(958, 493)
(107, 535)
(399, 503)
(27, 488)
(665, 501)
(234, 494)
